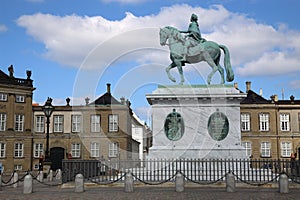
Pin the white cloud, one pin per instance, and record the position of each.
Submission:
(3, 28)
(270, 63)
(256, 49)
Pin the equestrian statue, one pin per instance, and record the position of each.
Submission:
(193, 49)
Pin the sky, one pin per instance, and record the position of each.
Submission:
(75, 47)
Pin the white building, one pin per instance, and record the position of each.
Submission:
(142, 134)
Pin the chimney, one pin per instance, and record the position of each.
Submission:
(235, 85)
(108, 88)
(248, 86)
(275, 97)
(87, 101)
(260, 92)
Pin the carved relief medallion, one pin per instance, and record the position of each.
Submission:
(174, 126)
(218, 126)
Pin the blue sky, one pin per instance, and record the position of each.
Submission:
(75, 47)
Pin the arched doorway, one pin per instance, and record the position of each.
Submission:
(57, 154)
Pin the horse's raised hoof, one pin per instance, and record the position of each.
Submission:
(173, 80)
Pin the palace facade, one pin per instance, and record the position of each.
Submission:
(15, 121)
(101, 129)
(270, 128)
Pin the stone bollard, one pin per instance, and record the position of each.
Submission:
(79, 183)
(28, 182)
(58, 175)
(40, 176)
(128, 182)
(15, 179)
(50, 176)
(283, 183)
(230, 183)
(179, 183)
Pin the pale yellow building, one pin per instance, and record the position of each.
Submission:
(99, 130)
(270, 128)
(15, 121)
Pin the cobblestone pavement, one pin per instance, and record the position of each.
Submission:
(44, 192)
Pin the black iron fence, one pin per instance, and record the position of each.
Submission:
(202, 171)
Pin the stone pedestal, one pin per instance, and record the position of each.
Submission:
(197, 121)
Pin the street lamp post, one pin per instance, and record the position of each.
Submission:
(48, 109)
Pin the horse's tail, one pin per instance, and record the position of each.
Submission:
(229, 71)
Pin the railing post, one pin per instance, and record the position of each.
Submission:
(179, 182)
(128, 182)
(283, 183)
(230, 182)
(58, 175)
(15, 180)
(50, 176)
(28, 182)
(40, 176)
(79, 183)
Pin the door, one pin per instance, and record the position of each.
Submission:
(57, 154)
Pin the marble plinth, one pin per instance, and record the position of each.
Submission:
(195, 105)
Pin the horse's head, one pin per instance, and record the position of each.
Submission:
(169, 32)
(163, 35)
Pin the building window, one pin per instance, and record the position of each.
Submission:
(19, 123)
(113, 123)
(248, 148)
(39, 123)
(76, 123)
(95, 150)
(286, 149)
(264, 121)
(38, 150)
(2, 121)
(265, 148)
(245, 122)
(113, 149)
(20, 98)
(2, 150)
(18, 167)
(58, 123)
(3, 97)
(75, 150)
(95, 123)
(285, 122)
(19, 150)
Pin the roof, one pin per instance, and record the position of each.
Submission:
(106, 99)
(5, 79)
(288, 102)
(254, 98)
